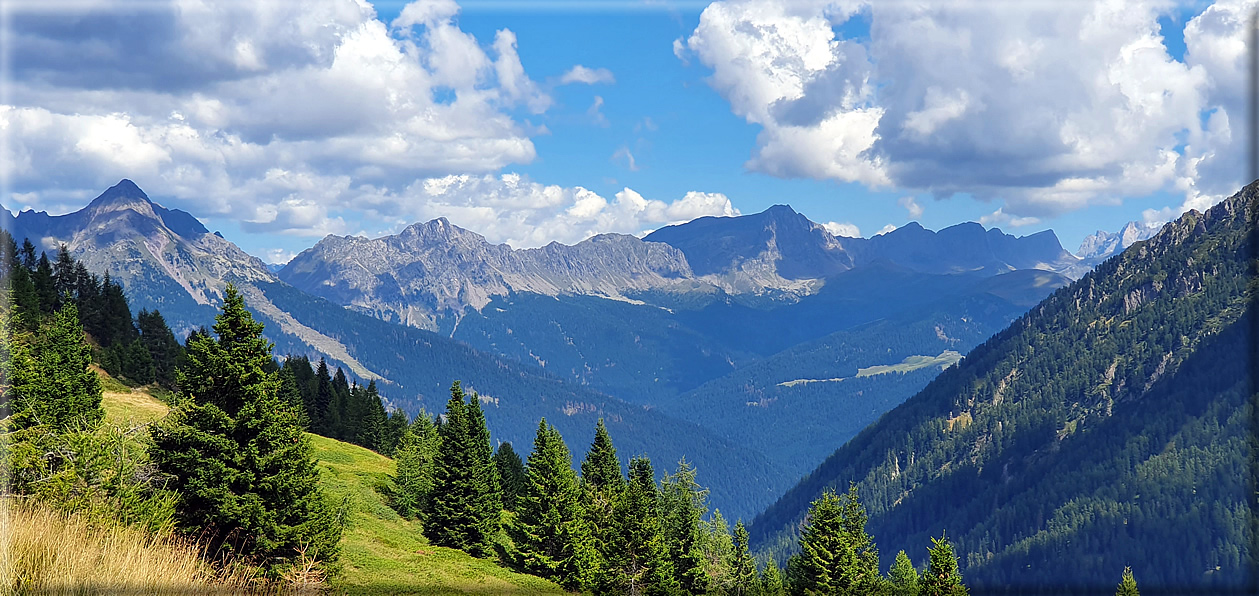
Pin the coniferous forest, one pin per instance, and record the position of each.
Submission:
(232, 468)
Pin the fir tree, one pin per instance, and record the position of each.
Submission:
(161, 344)
(903, 577)
(371, 431)
(511, 473)
(743, 568)
(1128, 585)
(489, 501)
(236, 453)
(53, 383)
(320, 413)
(718, 550)
(942, 577)
(549, 536)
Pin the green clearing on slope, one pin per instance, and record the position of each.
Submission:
(381, 553)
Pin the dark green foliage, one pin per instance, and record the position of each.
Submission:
(1127, 585)
(1111, 424)
(464, 504)
(236, 453)
(639, 562)
(772, 580)
(511, 474)
(903, 578)
(942, 577)
(52, 383)
(602, 486)
(836, 554)
(162, 347)
(413, 482)
(549, 537)
(683, 503)
(742, 567)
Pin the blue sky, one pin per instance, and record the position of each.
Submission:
(697, 109)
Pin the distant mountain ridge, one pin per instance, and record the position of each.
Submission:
(435, 269)
(1101, 244)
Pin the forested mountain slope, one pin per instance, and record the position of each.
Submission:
(1107, 427)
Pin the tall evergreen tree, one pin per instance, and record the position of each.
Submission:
(639, 562)
(52, 381)
(413, 482)
(236, 453)
(836, 555)
(903, 578)
(1128, 585)
(511, 473)
(320, 414)
(683, 503)
(942, 577)
(464, 506)
(161, 344)
(743, 567)
(772, 580)
(602, 485)
(718, 549)
(548, 534)
(45, 285)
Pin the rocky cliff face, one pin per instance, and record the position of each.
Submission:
(1102, 245)
(164, 253)
(436, 267)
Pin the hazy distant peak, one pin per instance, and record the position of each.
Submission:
(1102, 244)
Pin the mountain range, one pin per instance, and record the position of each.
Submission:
(648, 333)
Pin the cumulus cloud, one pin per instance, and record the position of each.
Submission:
(588, 76)
(273, 113)
(1044, 107)
(513, 209)
(842, 229)
(1001, 218)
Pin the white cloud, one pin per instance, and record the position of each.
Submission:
(279, 256)
(624, 154)
(911, 205)
(842, 229)
(1001, 218)
(885, 229)
(1047, 107)
(595, 113)
(588, 76)
(513, 209)
(272, 113)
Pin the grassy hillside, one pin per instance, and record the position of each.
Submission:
(381, 553)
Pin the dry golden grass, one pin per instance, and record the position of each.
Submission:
(47, 552)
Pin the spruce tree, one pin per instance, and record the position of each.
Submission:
(236, 453)
(1128, 585)
(743, 568)
(772, 580)
(836, 555)
(942, 577)
(548, 534)
(413, 482)
(511, 473)
(683, 503)
(465, 506)
(161, 344)
(718, 550)
(639, 562)
(903, 578)
(372, 426)
(52, 381)
(320, 413)
(602, 486)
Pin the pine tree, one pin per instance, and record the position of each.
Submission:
(743, 568)
(489, 501)
(45, 285)
(161, 344)
(395, 426)
(639, 562)
(236, 453)
(602, 486)
(718, 550)
(903, 577)
(683, 503)
(52, 382)
(942, 577)
(320, 413)
(548, 534)
(511, 472)
(290, 394)
(371, 432)
(1128, 585)
(772, 580)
